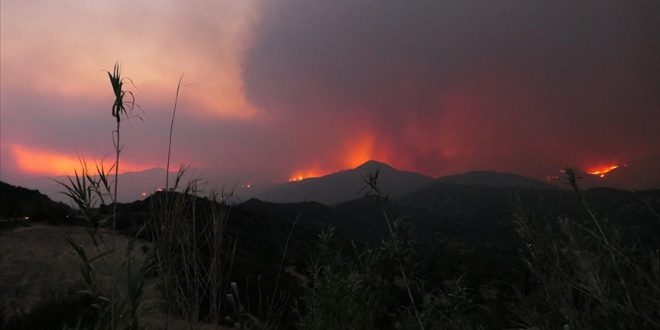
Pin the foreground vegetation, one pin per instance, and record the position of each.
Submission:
(300, 265)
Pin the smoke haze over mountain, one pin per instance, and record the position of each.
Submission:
(280, 89)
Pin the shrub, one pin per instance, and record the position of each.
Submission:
(586, 275)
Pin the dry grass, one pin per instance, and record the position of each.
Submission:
(37, 260)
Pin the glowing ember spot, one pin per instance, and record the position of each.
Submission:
(45, 162)
(602, 169)
(302, 175)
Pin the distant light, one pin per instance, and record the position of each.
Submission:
(297, 178)
(159, 190)
(144, 194)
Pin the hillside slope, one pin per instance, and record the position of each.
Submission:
(346, 185)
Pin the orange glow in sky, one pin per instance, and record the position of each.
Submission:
(356, 152)
(601, 170)
(210, 56)
(359, 151)
(45, 162)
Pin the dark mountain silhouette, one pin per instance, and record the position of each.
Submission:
(132, 184)
(137, 185)
(639, 174)
(18, 202)
(495, 179)
(346, 185)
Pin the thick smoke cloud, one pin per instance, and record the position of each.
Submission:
(456, 85)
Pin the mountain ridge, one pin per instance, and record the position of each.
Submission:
(346, 185)
(29, 204)
(637, 175)
(495, 179)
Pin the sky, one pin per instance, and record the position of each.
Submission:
(273, 90)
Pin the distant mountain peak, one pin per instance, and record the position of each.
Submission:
(373, 165)
(346, 185)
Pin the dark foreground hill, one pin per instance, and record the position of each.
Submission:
(495, 179)
(456, 231)
(18, 202)
(481, 217)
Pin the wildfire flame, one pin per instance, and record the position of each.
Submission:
(302, 175)
(602, 169)
(353, 153)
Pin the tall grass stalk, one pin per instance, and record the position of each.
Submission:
(190, 254)
(371, 181)
(86, 190)
(192, 257)
(169, 144)
(118, 110)
(272, 307)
